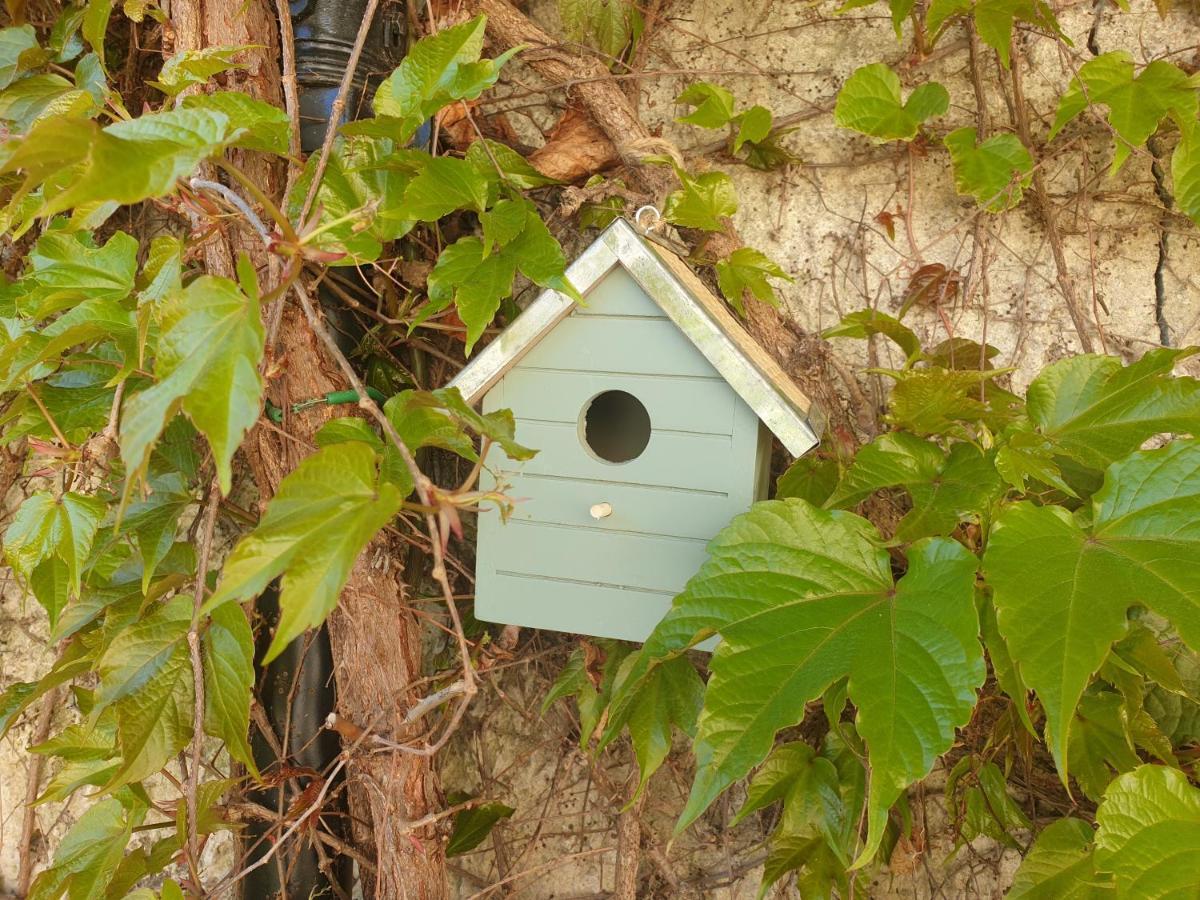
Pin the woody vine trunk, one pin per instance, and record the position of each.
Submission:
(375, 638)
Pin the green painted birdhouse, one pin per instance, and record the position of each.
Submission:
(652, 410)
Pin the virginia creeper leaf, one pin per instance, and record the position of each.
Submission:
(1135, 104)
(264, 127)
(1148, 834)
(189, 67)
(714, 105)
(746, 269)
(869, 103)
(15, 43)
(126, 162)
(801, 598)
(323, 515)
(866, 322)
(88, 856)
(1095, 410)
(438, 70)
(209, 351)
(945, 488)
(228, 654)
(444, 185)
(702, 202)
(1060, 866)
(472, 826)
(1061, 615)
(994, 172)
(46, 526)
(146, 675)
(670, 695)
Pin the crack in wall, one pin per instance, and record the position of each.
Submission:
(1164, 197)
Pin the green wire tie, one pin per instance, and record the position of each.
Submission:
(333, 398)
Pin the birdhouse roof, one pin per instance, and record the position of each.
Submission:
(701, 316)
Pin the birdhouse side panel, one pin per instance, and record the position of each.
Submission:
(601, 547)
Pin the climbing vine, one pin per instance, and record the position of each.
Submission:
(1033, 548)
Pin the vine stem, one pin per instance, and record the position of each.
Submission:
(338, 108)
(33, 781)
(1065, 283)
(193, 638)
(423, 495)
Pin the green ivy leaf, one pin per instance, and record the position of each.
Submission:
(153, 521)
(228, 655)
(126, 162)
(1148, 834)
(476, 281)
(805, 782)
(1095, 411)
(488, 155)
(89, 854)
(189, 67)
(714, 105)
(866, 322)
(946, 489)
(1060, 866)
(15, 44)
(801, 598)
(810, 478)
(869, 103)
(324, 513)
(669, 696)
(503, 222)
(66, 269)
(995, 18)
(472, 826)
(814, 824)
(39, 96)
(361, 197)
(746, 269)
(994, 172)
(753, 126)
(46, 526)
(608, 25)
(94, 25)
(1023, 454)
(933, 401)
(445, 184)
(146, 675)
(207, 367)
(499, 427)
(702, 202)
(1135, 105)
(1140, 547)
(437, 71)
(1099, 745)
(264, 127)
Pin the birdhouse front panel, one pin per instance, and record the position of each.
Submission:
(645, 453)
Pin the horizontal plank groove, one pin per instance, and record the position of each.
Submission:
(612, 481)
(602, 584)
(722, 435)
(565, 526)
(604, 372)
(628, 317)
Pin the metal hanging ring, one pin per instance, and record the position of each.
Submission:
(653, 210)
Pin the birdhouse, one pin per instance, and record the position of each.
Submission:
(652, 410)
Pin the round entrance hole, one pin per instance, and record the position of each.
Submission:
(615, 426)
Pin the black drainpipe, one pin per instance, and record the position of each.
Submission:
(325, 32)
